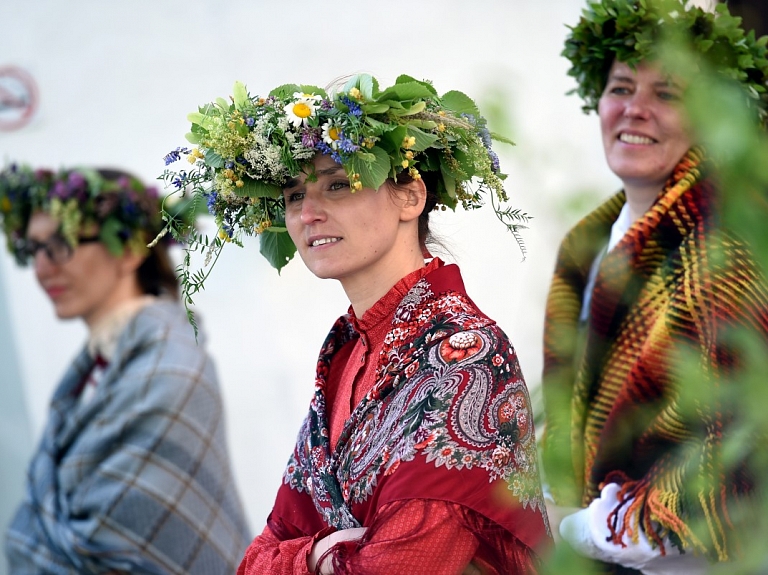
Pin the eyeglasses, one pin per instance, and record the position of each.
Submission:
(56, 248)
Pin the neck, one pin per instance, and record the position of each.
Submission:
(364, 293)
(640, 198)
(125, 293)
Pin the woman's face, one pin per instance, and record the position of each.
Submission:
(361, 238)
(644, 132)
(86, 286)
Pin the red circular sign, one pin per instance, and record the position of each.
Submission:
(19, 98)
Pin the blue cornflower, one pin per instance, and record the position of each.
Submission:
(354, 107)
(346, 145)
(180, 179)
(249, 121)
(229, 164)
(323, 147)
(211, 202)
(175, 155)
(328, 151)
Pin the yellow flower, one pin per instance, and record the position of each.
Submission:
(441, 127)
(414, 173)
(239, 183)
(5, 205)
(408, 142)
(355, 93)
(224, 236)
(404, 163)
(357, 186)
(409, 155)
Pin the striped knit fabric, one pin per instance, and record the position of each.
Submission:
(633, 397)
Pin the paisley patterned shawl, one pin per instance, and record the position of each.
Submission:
(614, 389)
(448, 418)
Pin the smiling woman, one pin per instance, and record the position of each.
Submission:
(418, 453)
(648, 292)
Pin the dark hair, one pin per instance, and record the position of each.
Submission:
(155, 275)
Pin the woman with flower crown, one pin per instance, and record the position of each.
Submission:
(646, 290)
(418, 453)
(132, 474)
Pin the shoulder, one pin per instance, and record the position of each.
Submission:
(160, 339)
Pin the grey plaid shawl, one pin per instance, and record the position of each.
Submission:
(138, 479)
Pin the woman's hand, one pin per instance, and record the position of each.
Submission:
(321, 546)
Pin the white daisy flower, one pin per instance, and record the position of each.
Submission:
(331, 134)
(302, 109)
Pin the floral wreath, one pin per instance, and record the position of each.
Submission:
(248, 147)
(630, 30)
(123, 211)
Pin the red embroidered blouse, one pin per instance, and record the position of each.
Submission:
(406, 536)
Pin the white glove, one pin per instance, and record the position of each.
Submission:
(587, 532)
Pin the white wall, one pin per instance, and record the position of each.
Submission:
(117, 80)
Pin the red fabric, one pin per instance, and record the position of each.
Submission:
(426, 533)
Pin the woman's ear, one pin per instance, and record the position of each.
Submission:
(413, 196)
(130, 261)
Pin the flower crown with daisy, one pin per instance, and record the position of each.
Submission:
(247, 147)
(634, 30)
(123, 212)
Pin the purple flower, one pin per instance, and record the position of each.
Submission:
(249, 121)
(485, 136)
(175, 155)
(59, 190)
(326, 105)
(310, 137)
(494, 161)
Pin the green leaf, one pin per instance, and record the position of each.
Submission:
(448, 179)
(258, 189)
(406, 79)
(213, 159)
(222, 103)
(192, 138)
(363, 82)
(285, 90)
(460, 103)
(109, 236)
(310, 89)
(372, 108)
(423, 140)
(196, 118)
(239, 95)
(407, 91)
(415, 109)
(277, 247)
(372, 174)
(500, 138)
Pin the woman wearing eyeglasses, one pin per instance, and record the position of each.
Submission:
(132, 473)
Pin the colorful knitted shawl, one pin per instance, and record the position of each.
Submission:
(449, 418)
(622, 405)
